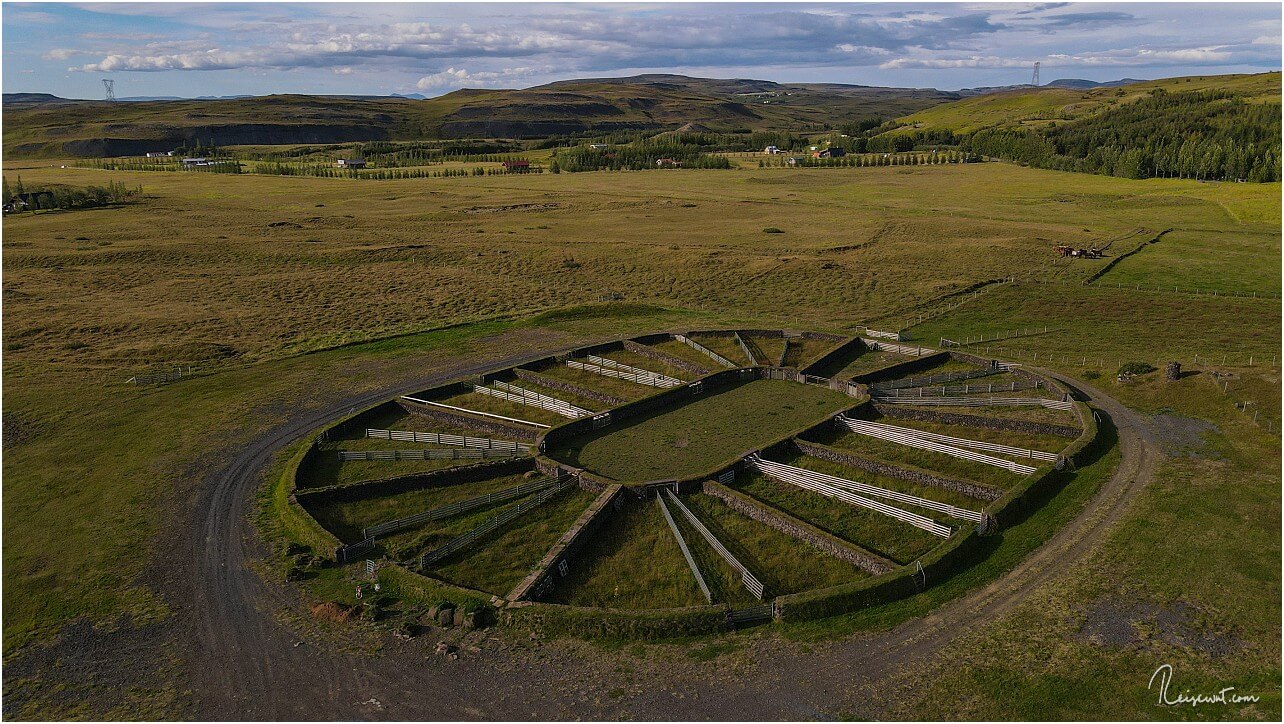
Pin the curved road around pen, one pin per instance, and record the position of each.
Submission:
(247, 660)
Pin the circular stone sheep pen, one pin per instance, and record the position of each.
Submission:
(743, 475)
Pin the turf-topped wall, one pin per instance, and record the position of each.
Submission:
(551, 619)
(564, 552)
(851, 346)
(900, 369)
(554, 383)
(659, 356)
(1008, 424)
(799, 529)
(499, 428)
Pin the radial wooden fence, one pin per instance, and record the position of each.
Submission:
(750, 581)
(470, 453)
(648, 378)
(781, 471)
(479, 413)
(965, 442)
(660, 380)
(453, 509)
(438, 438)
(807, 483)
(898, 348)
(708, 352)
(686, 552)
(890, 433)
(498, 521)
(522, 396)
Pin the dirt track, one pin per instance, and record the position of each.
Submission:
(245, 663)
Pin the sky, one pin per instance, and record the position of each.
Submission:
(213, 49)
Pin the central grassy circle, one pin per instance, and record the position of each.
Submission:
(700, 434)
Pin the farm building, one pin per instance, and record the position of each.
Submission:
(772, 150)
(599, 146)
(159, 154)
(351, 163)
(517, 166)
(196, 161)
(829, 153)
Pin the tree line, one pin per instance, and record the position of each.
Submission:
(20, 197)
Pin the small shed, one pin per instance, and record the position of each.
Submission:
(517, 166)
(351, 163)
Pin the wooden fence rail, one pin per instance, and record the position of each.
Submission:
(438, 438)
(965, 442)
(649, 379)
(750, 581)
(468, 453)
(898, 348)
(479, 413)
(921, 522)
(708, 352)
(532, 399)
(665, 380)
(890, 434)
(453, 509)
(686, 552)
(490, 524)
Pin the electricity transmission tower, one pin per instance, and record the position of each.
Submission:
(1035, 80)
(110, 85)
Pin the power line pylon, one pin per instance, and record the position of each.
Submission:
(110, 85)
(1035, 80)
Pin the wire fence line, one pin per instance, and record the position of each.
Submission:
(453, 509)
(1100, 361)
(891, 433)
(440, 438)
(946, 391)
(977, 401)
(708, 352)
(750, 581)
(772, 469)
(686, 552)
(921, 522)
(490, 524)
(907, 382)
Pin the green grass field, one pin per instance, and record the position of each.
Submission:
(634, 563)
(697, 436)
(93, 297)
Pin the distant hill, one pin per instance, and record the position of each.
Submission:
(647, 102)
(1204, 127)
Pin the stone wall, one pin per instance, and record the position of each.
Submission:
(803, 531)
(655, 354)
(564, 386)
(498, 428)
(902, 472)
(900, 412)
(590, 521)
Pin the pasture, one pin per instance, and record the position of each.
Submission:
(286, 293)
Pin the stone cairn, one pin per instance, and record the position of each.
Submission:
(1173, 372)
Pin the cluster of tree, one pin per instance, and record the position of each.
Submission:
(275, 168)
(874, 159)
(214, 164)
(58, 196)
(643, 154)
(1200, 135)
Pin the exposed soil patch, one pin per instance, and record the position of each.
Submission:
(1110, 622)
(509, 207)
(1182, 435)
